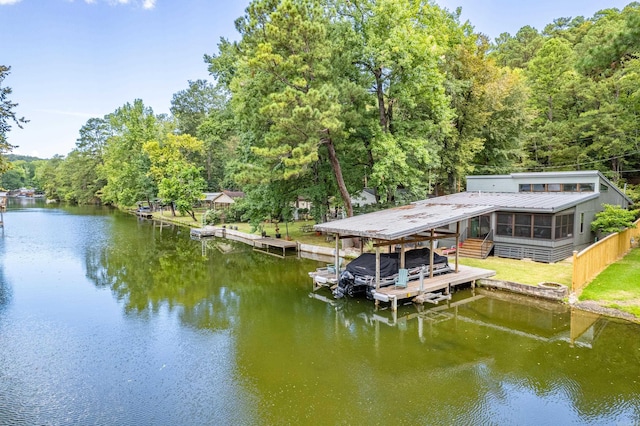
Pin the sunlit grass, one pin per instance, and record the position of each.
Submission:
(524, 271)
(618, 286)
(292, 229)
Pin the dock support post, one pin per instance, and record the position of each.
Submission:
(336, 259)
(457, 243)
(377, 267)
(431, 255)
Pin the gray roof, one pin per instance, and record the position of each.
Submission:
(403, 221)
(211, 196)
(543, 202)
(421, 216)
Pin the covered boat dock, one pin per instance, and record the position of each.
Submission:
(407, 227)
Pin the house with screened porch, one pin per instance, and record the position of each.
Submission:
(540, 216)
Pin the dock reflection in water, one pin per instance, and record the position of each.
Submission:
(535, 319)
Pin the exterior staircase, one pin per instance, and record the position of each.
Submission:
(473, 247)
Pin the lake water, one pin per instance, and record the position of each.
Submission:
(109, 320)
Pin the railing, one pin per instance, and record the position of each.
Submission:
(594, 259)
(487, 245)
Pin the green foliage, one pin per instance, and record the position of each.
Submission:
(126, 165)
(633, 192)
(491, 114)
(211, 217)
(613, 219)
(287, 92)
(178, 179)
(46, 177)
(191, 106)
(517, 51)
(20, 175)
(7, 116)
(398, 47)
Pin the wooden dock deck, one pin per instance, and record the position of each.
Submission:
(322, 277)
(207, 231)
(419, 292)
(266, 244)
(426, 288)
(261, 244)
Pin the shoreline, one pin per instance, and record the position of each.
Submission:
(550, 291)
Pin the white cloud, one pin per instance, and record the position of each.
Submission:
(6, 2)
(146, 4)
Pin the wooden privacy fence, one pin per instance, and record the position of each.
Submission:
(595, 258)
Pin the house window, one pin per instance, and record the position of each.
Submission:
(603, 188)
(505, 224)
(586, 187)
(564, 226)
(582, 223)
(523, 225)
(542, 226)
(559, 187)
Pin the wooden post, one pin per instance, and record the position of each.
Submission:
(457, 242)
(574, 275)
(402, 255)
(336, 258)
(377, 267)
(431, 255)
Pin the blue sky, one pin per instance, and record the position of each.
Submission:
(76, 59)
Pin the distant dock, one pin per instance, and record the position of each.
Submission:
(272, 246)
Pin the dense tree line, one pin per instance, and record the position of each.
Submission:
(8, 118)
(321, 98)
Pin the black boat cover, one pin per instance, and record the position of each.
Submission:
(365, 264)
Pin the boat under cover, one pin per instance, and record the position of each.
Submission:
(359, 276)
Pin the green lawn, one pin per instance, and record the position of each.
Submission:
(294, 230)
(618, 286)
(524, 271)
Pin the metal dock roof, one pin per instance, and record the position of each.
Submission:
(398, 222)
